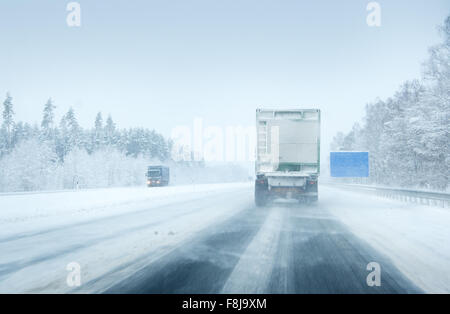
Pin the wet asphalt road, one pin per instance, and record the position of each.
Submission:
(282, 248)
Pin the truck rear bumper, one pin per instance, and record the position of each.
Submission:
(287, 186)
(286, 181)
(290, 192)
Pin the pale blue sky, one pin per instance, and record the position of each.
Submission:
(161, 63)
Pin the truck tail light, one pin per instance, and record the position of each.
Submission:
(261, 181)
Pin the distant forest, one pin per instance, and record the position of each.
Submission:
(63, 155)
(407, 135)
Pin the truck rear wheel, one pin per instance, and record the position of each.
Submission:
(261, 197)
(312, 199)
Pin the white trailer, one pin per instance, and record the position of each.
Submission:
(288, 154)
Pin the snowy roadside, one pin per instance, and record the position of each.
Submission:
(332, 181)
(29, 212)
(126, 230)
(414, 237)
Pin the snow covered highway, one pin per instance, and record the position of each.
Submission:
(212, 239)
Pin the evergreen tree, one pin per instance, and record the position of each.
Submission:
(97, 135)
(48, 116)
(98, 122)
(8, 120)
(47, 123)
(73, 129)
(110, 131)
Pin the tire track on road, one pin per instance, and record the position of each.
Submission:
(252, 273)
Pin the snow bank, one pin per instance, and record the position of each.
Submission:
(35, 210)
(110, 233)
(415, 237)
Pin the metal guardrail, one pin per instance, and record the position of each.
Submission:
(413, 196)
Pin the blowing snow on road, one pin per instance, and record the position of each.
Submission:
(212, 239)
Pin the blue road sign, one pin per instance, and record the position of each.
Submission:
(349, 164)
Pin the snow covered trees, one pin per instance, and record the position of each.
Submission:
(8, 124)
(408, 135)
(32, 165)
(68, 156)
(49, 116)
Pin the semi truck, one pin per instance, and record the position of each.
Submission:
(157, 176)
(287, 155)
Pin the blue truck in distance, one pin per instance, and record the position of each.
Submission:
(157, 176)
